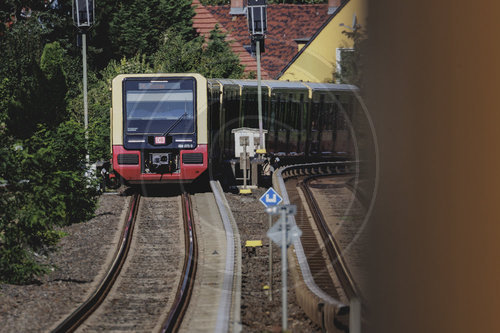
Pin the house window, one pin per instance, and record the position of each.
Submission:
(345, 63)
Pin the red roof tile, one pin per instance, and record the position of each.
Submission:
(285, 23)
(204, 22)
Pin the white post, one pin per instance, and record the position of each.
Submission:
(259, 96)
(85, 103)
(245, 166)
(270, 261)
(355, 316)
(284, 264)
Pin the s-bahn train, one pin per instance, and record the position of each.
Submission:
(170, 128)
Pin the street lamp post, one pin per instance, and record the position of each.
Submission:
(257, 26)
(83, 18)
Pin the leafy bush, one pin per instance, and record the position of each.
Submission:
(136, 25)
(47, 189)
(99, 103)
(176, 55)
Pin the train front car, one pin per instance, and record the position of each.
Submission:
(159, 127)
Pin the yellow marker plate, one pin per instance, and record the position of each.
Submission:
(253, 243)
(245, 191)
(260, 151)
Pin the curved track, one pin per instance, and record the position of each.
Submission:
(332, 287)
(140, 289)
(332, 246)
(76, 318)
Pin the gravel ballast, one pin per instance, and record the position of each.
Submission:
(258, 314)
(81, 259)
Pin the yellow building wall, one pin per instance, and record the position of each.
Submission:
(318, 60)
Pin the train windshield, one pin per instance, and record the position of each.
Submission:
(157, 107)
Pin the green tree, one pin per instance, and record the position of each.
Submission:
(176, 55)
(47, 188)
(136, 25)
(5, 101)
(36, 94)
(270, 2)
(54, 83)
(351, 63)
(99, 103)
(42, 154)
(179, 15)
(216, 59)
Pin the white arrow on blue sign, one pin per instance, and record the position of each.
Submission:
(270, 198)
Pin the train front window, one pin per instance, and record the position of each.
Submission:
(158, 107)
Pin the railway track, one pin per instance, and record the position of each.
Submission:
(332, 246)
(150, 281)
(312, 247)
(323, 284)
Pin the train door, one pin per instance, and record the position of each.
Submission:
(329, 122)
(301, 121)
(272, 135)
(214, 121)
(293, 123)
(344, 107)
(314, 137)
(231, 112)
(249, 108)
(282, 123)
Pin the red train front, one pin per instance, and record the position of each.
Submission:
(159, 127)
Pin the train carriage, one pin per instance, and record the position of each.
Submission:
(159, 127)
(171, 127)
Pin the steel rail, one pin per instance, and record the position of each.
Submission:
(183, 295)
(294, 171)
(331, 245)
(326, 311)
(77, 317)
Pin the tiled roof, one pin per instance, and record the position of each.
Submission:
(204, 22)
(285, 23)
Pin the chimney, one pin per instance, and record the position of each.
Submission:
(332, 5)
(237, 7)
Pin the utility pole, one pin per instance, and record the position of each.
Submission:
(257, 26)
(83, 18)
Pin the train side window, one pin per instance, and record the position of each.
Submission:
(252, 110)
(315, 114)
(294, 122)
(322, 113)
(330, 113)
(272, 113)
(301, 121)
(345, 108)
(281, 113)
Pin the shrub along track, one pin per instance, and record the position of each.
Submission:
(140, 291)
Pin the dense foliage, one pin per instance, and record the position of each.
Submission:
(47, 189)
(270, 2)
(351, 62)
(42, 143)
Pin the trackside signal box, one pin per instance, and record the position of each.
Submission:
(252, 142)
